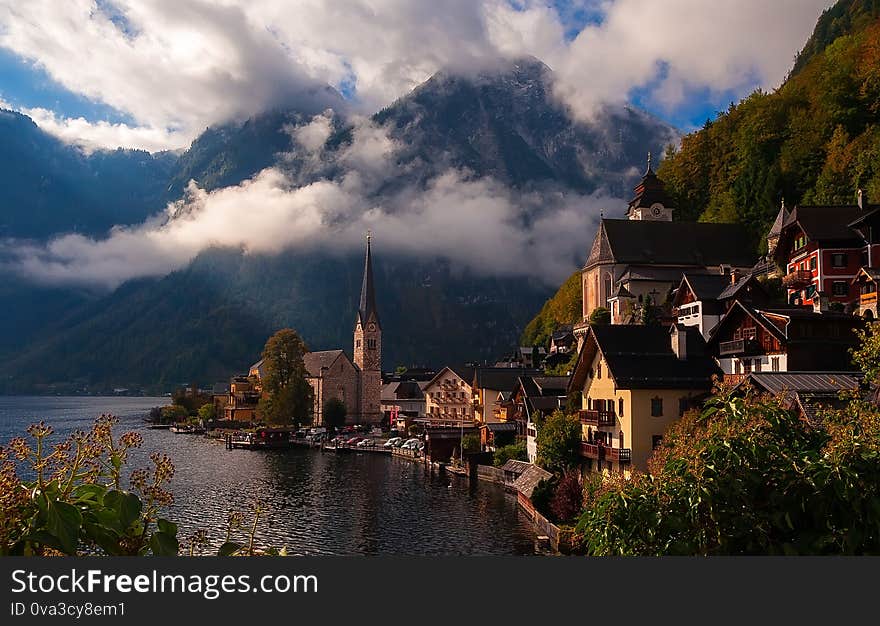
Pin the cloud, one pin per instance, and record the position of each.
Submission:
(474, 222)
(177, 66)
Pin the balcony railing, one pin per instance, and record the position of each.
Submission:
(798, 279)
(739, 346)
(600, 451)
(867, 299)
(597, 418)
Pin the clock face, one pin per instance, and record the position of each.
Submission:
(656, 210)
(371, 327)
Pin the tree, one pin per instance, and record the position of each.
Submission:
(568, 497)
(334, 413)
(207, 413)
(600, 316)
(515, 452)
(558, 440)
(471, 444)
(287, 396)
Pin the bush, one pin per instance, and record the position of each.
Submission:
(600, 316)
(568, 497)
(558, 441)
(515, 451)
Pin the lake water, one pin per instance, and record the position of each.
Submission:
(316, 503)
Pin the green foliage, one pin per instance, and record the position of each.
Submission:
(747, 476)
(867, 355)
(814, 140)
(173, 413)
(76, 504)
(600, 316)
(208, 413)
(563, 368)
(502, 439)
(514, 451)
(334, 413)
(287, 396)
(542, 494)
(563, 308)
(471, 444)
(558, 441)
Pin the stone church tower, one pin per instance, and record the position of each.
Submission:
(368, 346)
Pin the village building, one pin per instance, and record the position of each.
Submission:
(535, 395)
(634, 382)
(749, 339)
(865, 285)
(403, 400)
(449, 396)
(635, 263)
(701, 300)
(240, 403)
(492, 387)
(822, 249)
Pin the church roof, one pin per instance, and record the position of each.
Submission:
(776, 229)
(316, 361)
(687, 244)
(367, 305)
(649, 191)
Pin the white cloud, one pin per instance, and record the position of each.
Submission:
(176, 66)
(478, 223)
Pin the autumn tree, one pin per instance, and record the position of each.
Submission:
(287, 396)
(334, 413)
(558, 441)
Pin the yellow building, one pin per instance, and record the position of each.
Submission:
(636, 381)
(449, 396)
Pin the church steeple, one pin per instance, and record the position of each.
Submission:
(367, 306)
(650, 201)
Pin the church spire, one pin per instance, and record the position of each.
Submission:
(367, 305)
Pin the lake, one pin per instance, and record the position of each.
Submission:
(316, 503)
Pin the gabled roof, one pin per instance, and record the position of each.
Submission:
(649, 191)
(734, 289)
(257, 368)
(742, 308)
(825, 223)
(463, 372)
(776, 229)
(641, 357)
(703, 286)
(694, 244)
(316, 361)
(529, 479)
(501, 378)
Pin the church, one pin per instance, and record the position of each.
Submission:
(358, 382)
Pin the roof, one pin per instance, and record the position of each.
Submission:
(815, 382)
(464, 372)
(501, 378)
(622, 292)
(316, 361)
(825, 223)
(776, 229)
(694, 244)
(367, 305)
(641, 357)
(515, 467)
(733, 289)
(649, 191)
(706, 286)
(389, 392)
(529, 479)
(499, 427)
(257, 367)
(550, 384)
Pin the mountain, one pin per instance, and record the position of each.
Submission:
(210, 319)
(48, 187)
(816, 139)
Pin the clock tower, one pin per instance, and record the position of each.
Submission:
(651, 201)
(368, 346)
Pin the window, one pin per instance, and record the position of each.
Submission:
(812, 262)
(656, 441)
(357, 344)
(371, 344)
(747, 366)
(839, 288)
(620, 407)
(757, 365)
(774, 363)
(838, 260)
(599, 369)
(683, 405)
(656, 407)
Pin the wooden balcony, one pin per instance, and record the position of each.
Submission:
(798, 279)
(600, 451)
(739, 347)
(597, 418)
(868, 299)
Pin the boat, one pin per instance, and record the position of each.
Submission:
(187, 430)
(159, 426)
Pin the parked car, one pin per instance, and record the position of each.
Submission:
(353, 441)
(411, 444)
(392, 442)
(366, 443)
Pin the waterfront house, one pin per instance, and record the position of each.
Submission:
(242, 400)
(749, 339)
(635, 381)
(448, 395)
(536, 394)
(865, 286)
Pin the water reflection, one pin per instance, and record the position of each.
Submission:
(316, 503)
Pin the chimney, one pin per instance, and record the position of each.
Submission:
(734, 276)
(820, 302)
(678, 335)
(863, 199)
